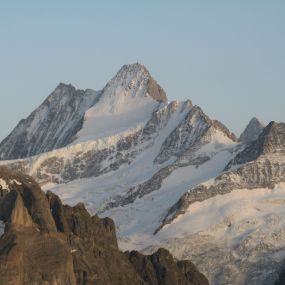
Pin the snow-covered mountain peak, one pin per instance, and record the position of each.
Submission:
(158, 166)
(52, 125)
(129, 72)
(126, 103)
(69, 115)
(134, 80)
(252, 130)
(134, 68)
(62, 86)
(67, 94)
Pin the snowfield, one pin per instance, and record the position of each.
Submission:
(227, 236)
(166, 173)
(244, 229)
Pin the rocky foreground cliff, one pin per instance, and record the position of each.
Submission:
(46, 242)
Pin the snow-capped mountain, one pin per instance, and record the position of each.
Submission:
(52, 125)
(234, 225)
(128, 125)
(164, 171)
(252, 131)
(131, 95)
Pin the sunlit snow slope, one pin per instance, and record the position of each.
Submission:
(164, 171)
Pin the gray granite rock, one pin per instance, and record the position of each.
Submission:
(252, 131)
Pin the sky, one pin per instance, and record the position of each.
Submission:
(227, 56)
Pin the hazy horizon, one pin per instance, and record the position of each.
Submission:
(228, 58)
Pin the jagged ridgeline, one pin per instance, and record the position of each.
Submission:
(46, 242)
(167, 174)
(57, 121)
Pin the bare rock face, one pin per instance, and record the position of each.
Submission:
(252, 131)
(96, 257)
(161, 268)
(271, 140)
(20, 215)
(32, 257)
(155, 91)
(26, 191)
(47, 243)
(281, 277)
(32, 251)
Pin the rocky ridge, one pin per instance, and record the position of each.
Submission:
(52, 125)
(262, 165)
(176, 130)
(160, 167)
(252, 131)
(46, 242)
(58, 120)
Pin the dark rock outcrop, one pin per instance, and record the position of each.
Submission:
(252, 131)
(31, 249)
(281, 278)
(46, 242)
(155, 91)
(161, 268)
(271, 140)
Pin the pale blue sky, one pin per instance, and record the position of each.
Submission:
(226, 56)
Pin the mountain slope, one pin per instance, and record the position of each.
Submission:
(143, 150)
(171, 176)
(263, 169)
(239, 213)
(52, 125)
(45, 242)
(252, 131)
(125, 102)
